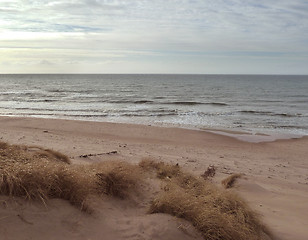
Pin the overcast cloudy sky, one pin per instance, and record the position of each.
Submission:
(155, 36)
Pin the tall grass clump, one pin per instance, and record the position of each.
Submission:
(117, 179)
(43, 174)
(216, 213)
(230, 181)
(51, 154)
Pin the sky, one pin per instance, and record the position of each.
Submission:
(154, 36)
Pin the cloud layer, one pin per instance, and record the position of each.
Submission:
(172, 36)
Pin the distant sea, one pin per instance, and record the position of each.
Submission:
(252, 103)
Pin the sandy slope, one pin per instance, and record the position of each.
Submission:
(112, 219)
(275, 181)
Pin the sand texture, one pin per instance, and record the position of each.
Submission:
(274, 179)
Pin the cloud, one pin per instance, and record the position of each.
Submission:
(46, 62)
(105, 31)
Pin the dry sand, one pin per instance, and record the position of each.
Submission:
(275, 181)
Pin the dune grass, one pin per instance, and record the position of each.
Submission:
(39, 174)
(229, 181)
(51, 154)
(42, 174)
(216, 213)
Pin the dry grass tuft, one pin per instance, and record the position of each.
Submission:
(51, 154)
(162, 170)
(217, 214)
(209, 173)
(118, 178)
(40, 176)
(229, 181)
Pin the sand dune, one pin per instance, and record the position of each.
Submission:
(60, 220)
(275, 180)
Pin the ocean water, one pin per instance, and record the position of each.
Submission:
(252, 103)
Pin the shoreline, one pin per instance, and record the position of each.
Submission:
(242, 135)
(275, 173)
(258, 137)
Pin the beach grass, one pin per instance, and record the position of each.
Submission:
(230, 181)
(34, 173)
(37, 174)
(215, 212)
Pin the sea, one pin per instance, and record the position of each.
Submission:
(247, 103)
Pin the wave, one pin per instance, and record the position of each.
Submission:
(292, 127)
(127, 91)
(160, 97)
(93, 112)
(130, 101)
(217, 104)
(45, 109)
(300, 101)
(183, 103)
(287, 115)
(94, 115)
(142, 101)
(189, 103)
(69, 91)
(268, 101)
(56, 114)
(195, 103)
(41, 100)
(268, 113)
(148, 115)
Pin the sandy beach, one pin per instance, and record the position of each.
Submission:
(274, 182)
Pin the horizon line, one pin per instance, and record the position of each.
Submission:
(247, 74)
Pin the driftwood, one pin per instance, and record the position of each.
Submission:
(98, 154)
